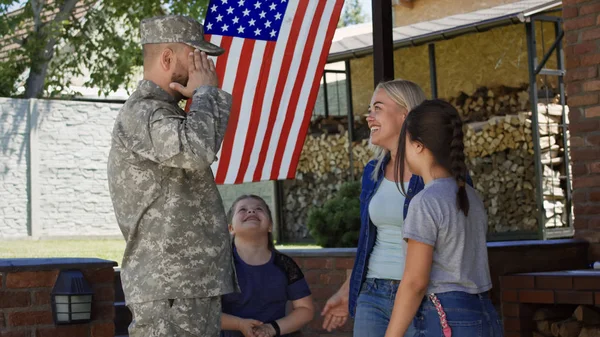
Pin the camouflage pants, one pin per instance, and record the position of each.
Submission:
(185, 317)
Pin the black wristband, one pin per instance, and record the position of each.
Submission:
(276, 327)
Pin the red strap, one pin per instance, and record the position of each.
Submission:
(440, 310)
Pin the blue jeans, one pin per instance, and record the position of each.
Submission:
(468, 316)
(374, 308)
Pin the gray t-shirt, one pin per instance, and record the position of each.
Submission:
(460, 259)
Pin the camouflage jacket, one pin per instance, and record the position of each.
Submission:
(165, 198)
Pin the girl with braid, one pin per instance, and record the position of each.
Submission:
(446, 276)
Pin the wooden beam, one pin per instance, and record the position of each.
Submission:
(383, 44)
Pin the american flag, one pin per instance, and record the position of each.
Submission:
(275, 54)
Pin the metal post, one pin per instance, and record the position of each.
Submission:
(433, 71)
(279, 207)
(532, 61)
(546, 57)
(383, 42)
(326, 97)
(560, 63)
(350, 110)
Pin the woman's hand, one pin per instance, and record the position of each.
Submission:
(336, 310)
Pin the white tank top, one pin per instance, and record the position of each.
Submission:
(386, 212)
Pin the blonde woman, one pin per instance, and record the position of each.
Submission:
(368, 295)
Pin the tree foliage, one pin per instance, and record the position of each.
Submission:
(352, 14)
(61, 39)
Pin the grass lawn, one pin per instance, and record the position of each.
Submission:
(110, 249)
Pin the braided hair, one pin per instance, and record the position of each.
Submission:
(437, 125)
(458, 168)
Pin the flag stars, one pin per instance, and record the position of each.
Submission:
(257, 19)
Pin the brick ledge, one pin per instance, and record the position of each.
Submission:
(35, 264)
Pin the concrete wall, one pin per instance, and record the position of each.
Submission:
(53, 169)
(492, 58)
(14, 158)
(73, 141)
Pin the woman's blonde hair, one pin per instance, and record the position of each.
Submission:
(406, 94)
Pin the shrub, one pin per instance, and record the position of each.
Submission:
(337, 222)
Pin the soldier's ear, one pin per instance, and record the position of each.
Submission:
(167, 59)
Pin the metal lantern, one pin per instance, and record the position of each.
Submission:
(71, 298)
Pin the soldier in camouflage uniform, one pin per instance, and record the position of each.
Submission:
(178, 258)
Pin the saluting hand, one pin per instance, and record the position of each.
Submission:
(201, 72)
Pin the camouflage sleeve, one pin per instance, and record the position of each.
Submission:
(191, 142)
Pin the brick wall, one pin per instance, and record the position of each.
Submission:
(523, 293)
(25, 286)
(325, 269)
(582, 34)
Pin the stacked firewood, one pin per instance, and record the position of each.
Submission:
(329, 154)
(562, 321)
(486, 103)
(501, 159)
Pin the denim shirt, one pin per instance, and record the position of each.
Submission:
(368, 231)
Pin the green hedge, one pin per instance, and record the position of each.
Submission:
(337, 222)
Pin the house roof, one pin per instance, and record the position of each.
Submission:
(361, 42)
(10, 42)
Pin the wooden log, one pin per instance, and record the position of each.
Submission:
(587, 315)
(567, 328)
(545, 327)
(590, 331)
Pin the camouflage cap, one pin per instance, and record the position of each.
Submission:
(177, 29)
